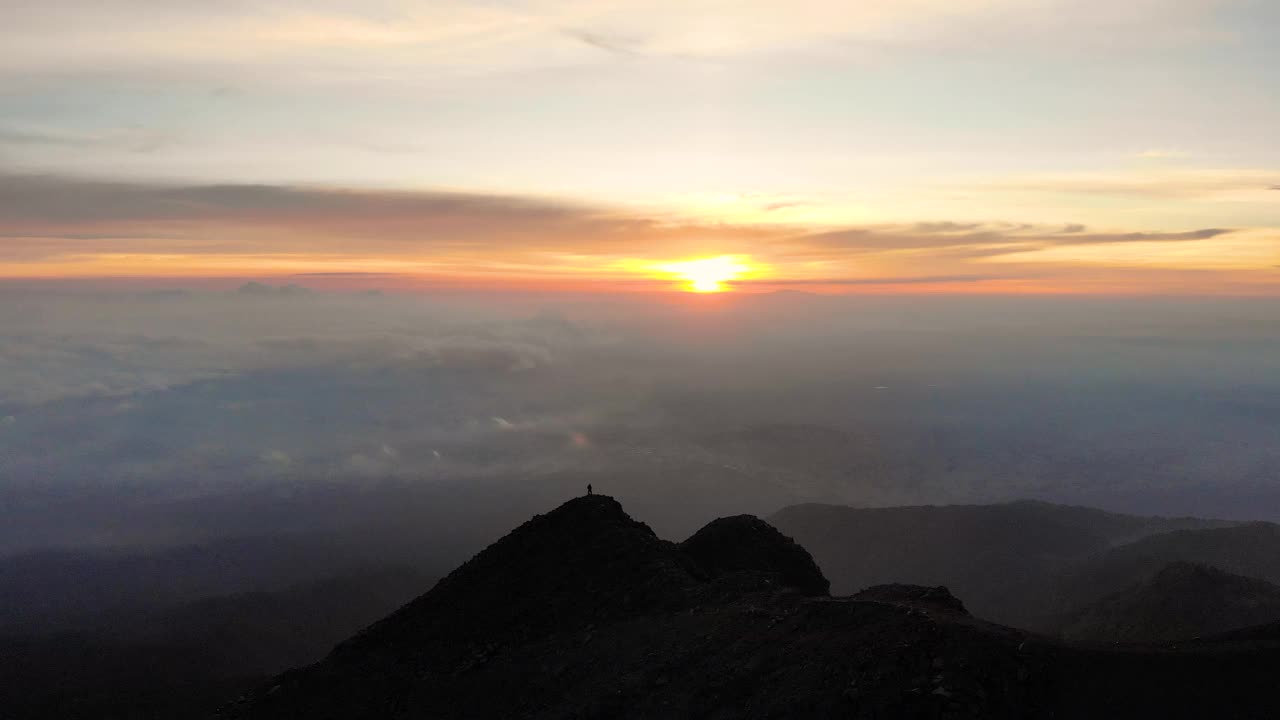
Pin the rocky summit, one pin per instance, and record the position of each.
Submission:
(745, 543)
(585, 613)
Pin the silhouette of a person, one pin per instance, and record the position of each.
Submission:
(588, 488)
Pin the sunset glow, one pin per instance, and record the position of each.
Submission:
(708, 275)
(621, 145)
(389, 276)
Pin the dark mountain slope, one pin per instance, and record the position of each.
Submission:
(585, 562)
(927, 598)
(992, 556)
(584, 613)
(183, 660)
(1182, 601)
(747, 543)
(70, 590)
(1252, 550)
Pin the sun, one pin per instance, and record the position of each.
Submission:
(708, 275)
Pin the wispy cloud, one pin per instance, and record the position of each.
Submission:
(1180, 184)
(52, 218)
(1161, 154)
(59, 226)
(609, 44)
(892, 280)
(78, 35)
(985, 236)
(129, 139)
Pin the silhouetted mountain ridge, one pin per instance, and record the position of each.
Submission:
(1001, 559)
(1182, 601)
(1248, 549)
(929, 598)
(584, 612)
(745, 543)
(588, 562)
(61, 590)
(182, 661)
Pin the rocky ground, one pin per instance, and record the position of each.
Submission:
(584, 613)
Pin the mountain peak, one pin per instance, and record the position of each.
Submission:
(600, 507)
(585, 612)
(745, 543)
(588, 559)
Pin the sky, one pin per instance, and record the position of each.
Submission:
(957, 146)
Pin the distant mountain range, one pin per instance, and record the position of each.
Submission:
(60, 590)
(1182, 601)
(584, 612)
(1007, 562)
(181, 660)
(1250, 549)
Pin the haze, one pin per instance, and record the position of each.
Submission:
(298, 291)
(168, 417)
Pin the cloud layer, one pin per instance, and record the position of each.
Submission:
(65, 227)
(456, 32)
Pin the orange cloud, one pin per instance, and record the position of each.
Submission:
(54, 227)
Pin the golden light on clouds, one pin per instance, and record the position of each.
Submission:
(64, 228)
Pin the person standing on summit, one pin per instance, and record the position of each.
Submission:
(588, 488)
